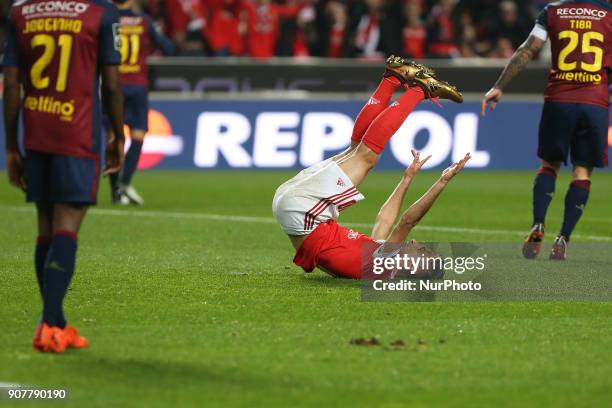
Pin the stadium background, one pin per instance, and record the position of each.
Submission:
(192, 299)
(260, 84)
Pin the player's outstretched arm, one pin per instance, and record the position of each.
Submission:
(417, 211)
(12, 99)
(517, 63)
(112, 98)
(391, 208)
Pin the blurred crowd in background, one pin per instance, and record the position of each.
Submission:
(342, 28)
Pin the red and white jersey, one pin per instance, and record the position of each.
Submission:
(337, 250)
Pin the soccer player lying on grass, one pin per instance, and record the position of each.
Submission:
(308, 205)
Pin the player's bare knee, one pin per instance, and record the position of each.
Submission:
(44, 213)
(68, 217)
(555, 166)
(138, 135)
(581, 173)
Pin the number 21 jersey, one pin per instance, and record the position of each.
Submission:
(59, 47)
(579, 32)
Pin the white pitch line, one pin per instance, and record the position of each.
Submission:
(10, 385)
(270, 220)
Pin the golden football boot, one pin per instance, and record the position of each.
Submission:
(435, 88)
(405, 71)
(413, 74)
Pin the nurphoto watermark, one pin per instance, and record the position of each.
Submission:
(483, 271)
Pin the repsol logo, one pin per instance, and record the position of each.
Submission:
(287, 139)
(71, 7)
(582, 12)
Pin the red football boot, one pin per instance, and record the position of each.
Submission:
(559, 249)
(533, 243)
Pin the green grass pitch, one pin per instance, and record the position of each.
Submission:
(188, 303)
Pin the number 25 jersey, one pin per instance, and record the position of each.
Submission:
(579, 32)
(59, 47)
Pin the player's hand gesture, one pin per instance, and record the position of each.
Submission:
(416, 164)
(492, 97)
(454, 169)
(14, 166)
(114, 156)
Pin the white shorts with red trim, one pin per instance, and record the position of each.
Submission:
(316, 195)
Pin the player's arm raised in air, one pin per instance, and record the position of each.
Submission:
(521, 58)
(417, 211)
(391, 208)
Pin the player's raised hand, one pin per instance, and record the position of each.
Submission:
(454, 169)
(492, 97)
(416, 164)
(114, 156)
(14, 166)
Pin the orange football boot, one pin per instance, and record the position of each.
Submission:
(73, 339)
(49, 339)
(37, 342)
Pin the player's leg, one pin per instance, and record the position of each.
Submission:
(588, 150)
(544, 189)
(73, 185)
(137, 110)
(61, 260)
(576, 199)
(129, 167)
(37, 172)
(44, 215)
(556, 125)
(113, 178)
(377, 103)
(542, 195)
(132, 156)
(398, 72)
(358, 164)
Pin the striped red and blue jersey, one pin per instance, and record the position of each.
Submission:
(139, 37)
(580, 34)
(59, 48)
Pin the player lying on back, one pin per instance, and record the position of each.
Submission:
(575, 117)
(57, 52)
(138, 37)
(308, 205)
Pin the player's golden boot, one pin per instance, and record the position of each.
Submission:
(405, 71)
(436, 88)
(413, 74)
